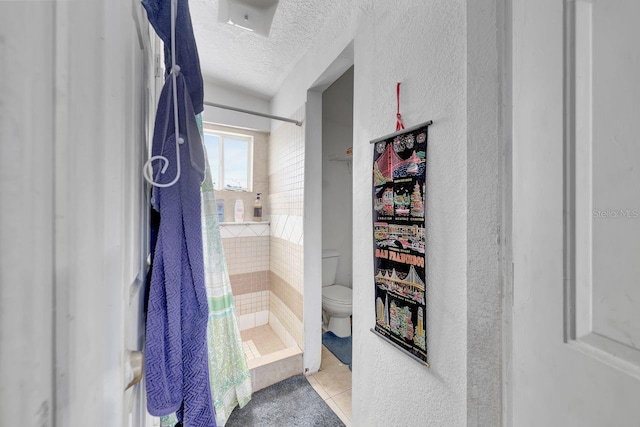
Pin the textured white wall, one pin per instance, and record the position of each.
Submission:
(423, 45)
(448, 56)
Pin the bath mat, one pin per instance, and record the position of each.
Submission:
(340, 347)
(291, 403)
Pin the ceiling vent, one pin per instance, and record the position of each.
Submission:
(250, 15)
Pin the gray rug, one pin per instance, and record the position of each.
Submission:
(289, 403)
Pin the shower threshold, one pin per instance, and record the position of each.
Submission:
(269, 359)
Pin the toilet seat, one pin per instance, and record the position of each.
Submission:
(337, 294)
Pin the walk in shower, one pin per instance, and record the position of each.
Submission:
(265, 259)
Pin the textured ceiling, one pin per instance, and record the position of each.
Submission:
(249, 62)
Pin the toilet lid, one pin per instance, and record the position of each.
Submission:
(337, 293)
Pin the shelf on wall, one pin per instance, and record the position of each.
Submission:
(244, 229)
(341, 157)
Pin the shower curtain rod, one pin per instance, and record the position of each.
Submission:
(255, 113)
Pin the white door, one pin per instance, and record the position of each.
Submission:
(78, 87)
(576, 213)
(26, 214)
(104, 89)
(106, 92)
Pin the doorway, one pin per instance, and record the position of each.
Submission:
(314, 204)
(337, 174)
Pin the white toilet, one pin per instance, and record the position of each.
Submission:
(336, 299)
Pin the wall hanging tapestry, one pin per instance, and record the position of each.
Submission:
(399, 196)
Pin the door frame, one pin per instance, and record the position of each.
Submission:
(313, 209)
(489, 212)
(505, 17)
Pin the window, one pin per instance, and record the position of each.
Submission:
(230, 159)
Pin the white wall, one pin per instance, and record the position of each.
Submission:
(235, 98)
(337, 172)
(424, 45)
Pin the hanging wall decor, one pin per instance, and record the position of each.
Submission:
(399, 199)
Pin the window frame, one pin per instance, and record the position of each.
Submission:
(218, 182)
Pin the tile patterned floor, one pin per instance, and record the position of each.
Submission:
(333, 384)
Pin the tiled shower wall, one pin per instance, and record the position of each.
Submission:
(246, 249)
(246, 245)
(286, 196)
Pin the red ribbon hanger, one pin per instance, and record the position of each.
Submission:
(399, 124)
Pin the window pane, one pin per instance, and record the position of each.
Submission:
(212, 145)
(236, 155)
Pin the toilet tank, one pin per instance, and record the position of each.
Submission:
(329, 266)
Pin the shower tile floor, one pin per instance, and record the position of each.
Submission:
(260, 341)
